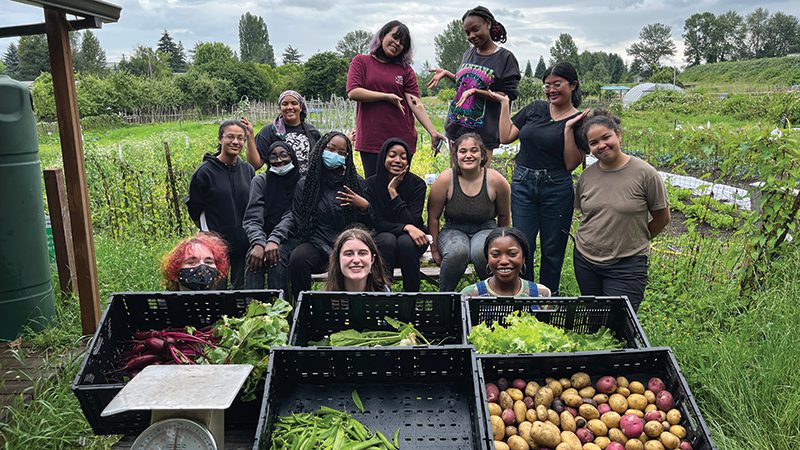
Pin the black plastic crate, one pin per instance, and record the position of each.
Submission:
(438, 316)
(579, 314)
(129, 312)
(428, 393)
(635, 364)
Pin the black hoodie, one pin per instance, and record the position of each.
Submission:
(271, 196)
(221, 191)
(391, 215)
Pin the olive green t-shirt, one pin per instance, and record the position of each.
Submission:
(615, 209)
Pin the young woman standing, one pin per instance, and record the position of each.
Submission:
(485, 68)
(384, 85)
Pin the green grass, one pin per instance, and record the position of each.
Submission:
(755, 75)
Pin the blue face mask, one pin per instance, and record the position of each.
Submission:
(282, 170)
(332, 160)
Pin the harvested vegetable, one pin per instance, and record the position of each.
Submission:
(405, 335)
(171, 346)
(525, 334)
(327, 428)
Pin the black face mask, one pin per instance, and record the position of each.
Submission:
(198, 278)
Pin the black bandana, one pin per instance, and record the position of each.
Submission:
(198, 278)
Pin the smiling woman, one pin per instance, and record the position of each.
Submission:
(355, 264)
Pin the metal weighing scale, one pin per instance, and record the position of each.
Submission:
(188, 404)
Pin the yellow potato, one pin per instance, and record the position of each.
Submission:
(524, 430)
(494, 409)
(515, 394)
(571, 440)
(616, 435)
(650, 396)
(553, 418)
(653, 445)
(500, 445)
(573, 400)
(543, 397)
(531, 388)
(565, 383)
(588, 412)
(541, 413)
(506, 402)
(678, 431)
(568, 391)
(587, 392)
(511, 431)
(669, 440)
(556, 387)
(580, 380)
(498, 428)
(600, 398)
(653, 429)
(622, 382)
(591, 446)
(674, 416)
(597, 427)
(611, 419)
(635, 412)
(602, 442)
(618, 403)
(546, 434)
(517, 443)
(636, 387)
(567, 422)
(519, 411)
(625, 392)
(637, 401)
(530, 415)
(634, 444)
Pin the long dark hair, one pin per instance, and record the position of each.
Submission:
(496, 29)
(377, 280)
(567, 71)
(306, 211)
(405, 57)
(225, 124)
(596, 117)
(454, 150)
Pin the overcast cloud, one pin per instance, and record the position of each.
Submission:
(312, 26)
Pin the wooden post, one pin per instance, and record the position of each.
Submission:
(62, 235)
(69, 127)
(175, 202)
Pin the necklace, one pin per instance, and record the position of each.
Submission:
(519, 280)
(572, 110)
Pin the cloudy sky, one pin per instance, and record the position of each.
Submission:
(312, 25)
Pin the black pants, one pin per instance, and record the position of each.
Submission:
(628, 277)
(369, 161)
(401, 252)
(304, 261)
(236, 270)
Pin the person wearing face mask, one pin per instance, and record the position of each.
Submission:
(355, 264)
(219, 190)
(327, 200)
(291, 127)
(196, 264)
(271, 195)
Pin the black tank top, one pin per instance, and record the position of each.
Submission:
(462, 208)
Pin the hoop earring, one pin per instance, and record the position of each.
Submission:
(523, 267)
(488, 270)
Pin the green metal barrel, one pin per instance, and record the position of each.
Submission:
(26, 293)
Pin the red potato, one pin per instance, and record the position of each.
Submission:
(606, 385)
(492, 392)
(502, 383)
(656, 385)
(685, 445)
(519, 383)
(508, 417)
(584, 435)
(664, 401)
(631, 425)
(654, 415)
(603, 408)
(615, 446)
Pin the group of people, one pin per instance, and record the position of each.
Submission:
(311, 211)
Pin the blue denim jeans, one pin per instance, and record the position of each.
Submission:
(459, 244)
(541, 204)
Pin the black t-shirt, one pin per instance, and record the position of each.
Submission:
(541, 139)
(300, 137)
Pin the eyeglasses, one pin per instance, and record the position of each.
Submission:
(232, 137)
(282, 156)
(557, 85)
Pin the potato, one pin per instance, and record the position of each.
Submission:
(515, 394)
(556, 387)
(611, 419)
(600, 398)
(635, 412)
(674, 417)
(636, 387)
(546, 434)
(544, 396)
(565, 383)
(591, 446)
(618, 403)
(541, 413)
(653, 429)
(650, 396)
(494, 409)
(498, 428)
(500, 445)
(573, 400)
(519, 411)
(580, 380)
(602, 441)
(637, 401)
(587, 392)
(517, 443)
(669, 440)
(568, 391)
(650, 407)
(616, 435)
(553, 418)
(653, 445)
(572, 441)
(567, 421)
(597, 427)
(511, 430)
(531, 388)
(625, 392)
(506, 402)
(634, 444)
(622, 382)
(530, 415)
(524, 430)
(588, 412)
(678, 431)
(563, 446)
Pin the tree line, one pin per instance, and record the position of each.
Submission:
(212, 74)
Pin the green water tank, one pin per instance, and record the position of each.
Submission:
(26, 293)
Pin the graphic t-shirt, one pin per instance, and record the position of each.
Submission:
(300, 137)
(496, 72)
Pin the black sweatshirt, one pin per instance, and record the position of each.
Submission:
(221, 191)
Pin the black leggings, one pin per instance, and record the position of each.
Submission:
(369, 161)
(304, 261)
(404, 253)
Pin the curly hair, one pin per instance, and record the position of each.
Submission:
(454, 150)
(172, 261)
(496, 29)
(306, 212)
(377, 280)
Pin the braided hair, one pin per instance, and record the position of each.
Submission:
(496, 29)
(306, 211)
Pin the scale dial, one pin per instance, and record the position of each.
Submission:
(175, 434)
